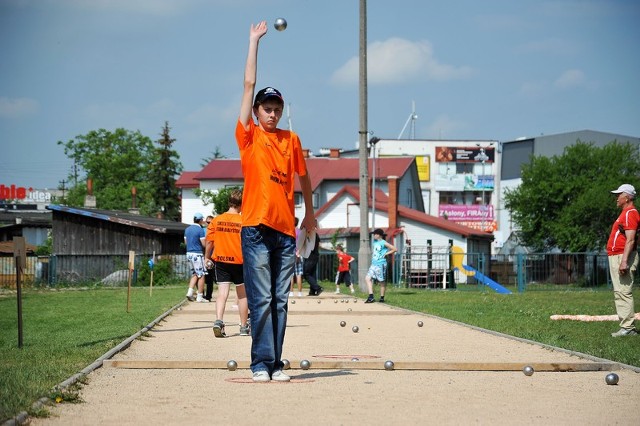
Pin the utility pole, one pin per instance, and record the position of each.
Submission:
(364, 251)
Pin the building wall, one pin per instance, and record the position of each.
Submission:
(82, 235)
(465, 180)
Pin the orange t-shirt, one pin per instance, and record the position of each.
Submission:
(269, 163)
(224, 232)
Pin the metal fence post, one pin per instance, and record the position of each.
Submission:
(520, 272)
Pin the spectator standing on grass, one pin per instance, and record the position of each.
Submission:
(224, 248)
(194, 239)
(622, 251)
(270, 159)
(378, 269)
(344, 265)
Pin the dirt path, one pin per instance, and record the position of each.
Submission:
(347, 382)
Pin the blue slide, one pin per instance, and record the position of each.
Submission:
(486, 280)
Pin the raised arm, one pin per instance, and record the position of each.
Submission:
(250, 72)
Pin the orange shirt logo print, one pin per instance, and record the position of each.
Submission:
(279, 177)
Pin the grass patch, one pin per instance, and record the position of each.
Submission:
(527, 315)
(63, 332)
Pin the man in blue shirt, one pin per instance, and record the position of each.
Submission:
(194, 239)
(378, 269)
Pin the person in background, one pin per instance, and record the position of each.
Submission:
(310, 266)
(344, 274)
(378, 269)
(224, 248)
(208, 278)
(297, 269)
(194, 240)
(270, 159)
(622, 252)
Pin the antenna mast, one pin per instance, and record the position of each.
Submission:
(412, 118)
(289, 117)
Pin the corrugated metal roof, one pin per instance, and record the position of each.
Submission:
(125, 218)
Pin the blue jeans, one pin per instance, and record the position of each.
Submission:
(268, 257)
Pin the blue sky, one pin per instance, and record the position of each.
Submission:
(491, 69)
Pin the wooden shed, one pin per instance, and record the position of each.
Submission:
(92, 243)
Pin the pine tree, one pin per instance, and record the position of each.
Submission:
(165, 194)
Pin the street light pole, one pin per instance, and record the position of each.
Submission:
(364, 251)
(373, 141)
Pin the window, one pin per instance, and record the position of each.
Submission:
(298, 200)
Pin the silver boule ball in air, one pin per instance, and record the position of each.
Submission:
(280, 24)
(389, 365)
(286, 364)
(355, 328)
(232, 365)
(305, 364)
(342, 323)
(611, 379)
(420, 323)
(528, 370)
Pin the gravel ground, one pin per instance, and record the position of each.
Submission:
(338, 389)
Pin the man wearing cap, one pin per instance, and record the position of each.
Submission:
(378, 269)
(194, 239)
(622, 249)
(270, 159)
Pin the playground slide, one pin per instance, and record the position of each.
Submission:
(486, 280)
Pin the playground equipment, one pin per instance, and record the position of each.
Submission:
(457, 257)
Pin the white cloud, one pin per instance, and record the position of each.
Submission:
(570, 79)
(17, 107)
(397, 60)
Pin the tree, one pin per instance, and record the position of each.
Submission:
(165, 197)
(115, 162)
(214, 155)
(219, 199)
(565, 202)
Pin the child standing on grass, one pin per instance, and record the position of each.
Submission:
(343, 275)
(378, 269)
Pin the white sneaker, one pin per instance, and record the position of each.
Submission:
(291, 294)
(299, 294)
(352, 290)
(201, 299)
(337, 291)
(625, 332)
(261, 376)
(279, 376)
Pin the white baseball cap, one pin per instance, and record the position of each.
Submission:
(626, 188)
